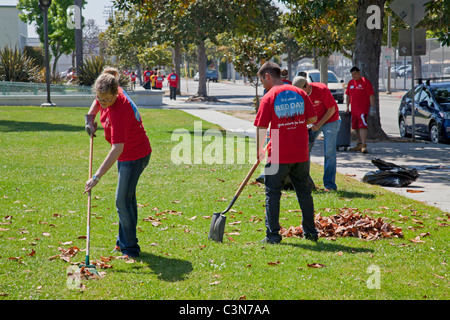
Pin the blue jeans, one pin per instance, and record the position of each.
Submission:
(126, 204)
(299, 174)
(330, 132)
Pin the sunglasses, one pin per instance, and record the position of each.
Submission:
(104, 100)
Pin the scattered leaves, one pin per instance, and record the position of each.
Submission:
(316, 265)
(348, 223)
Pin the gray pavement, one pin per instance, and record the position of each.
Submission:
(431, 160)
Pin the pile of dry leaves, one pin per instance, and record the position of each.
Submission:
(348, 223)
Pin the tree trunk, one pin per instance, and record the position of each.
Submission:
(367, 59)
(323, 69)
(176, 60)
(201, 59)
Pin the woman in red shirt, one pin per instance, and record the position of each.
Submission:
(130, 147)
(159, 81)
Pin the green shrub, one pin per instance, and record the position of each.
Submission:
(93, 67)
(16, 66)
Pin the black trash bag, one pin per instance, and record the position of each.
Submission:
(146, 85)
(390, 175)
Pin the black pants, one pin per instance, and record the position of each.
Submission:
(299, 174)
(173, 93)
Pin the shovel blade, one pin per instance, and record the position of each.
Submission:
(217, 228)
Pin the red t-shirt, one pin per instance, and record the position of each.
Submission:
(122, 123)
(359, 93)
(285, 108)
(147, 74)
(173, 80)
(159, 81)
(322, 100)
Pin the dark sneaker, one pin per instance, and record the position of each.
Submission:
(268, 241)
(312, 237)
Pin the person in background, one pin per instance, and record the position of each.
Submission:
(133, 78)
(361, 98)
(147, 75)
(153, 77)
(285, 76)
(130, 148)
(159, 79)
(327, 122)
(172, 80)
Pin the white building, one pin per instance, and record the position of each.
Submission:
(13, 31)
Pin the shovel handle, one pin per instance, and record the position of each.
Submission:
(88, 229)
(247, 178)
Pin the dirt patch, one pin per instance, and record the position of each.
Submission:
(248, 115)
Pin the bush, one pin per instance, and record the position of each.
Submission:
(93, 67)
(16, 66)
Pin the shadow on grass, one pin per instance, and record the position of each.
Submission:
(167, 269)
(26, 126)
(354, 194)
(327, 246)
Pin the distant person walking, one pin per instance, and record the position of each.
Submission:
(130, 147)
(361, 98)
(287, 110)
(159, 79)
(172, 79)
(133, 78)
(327, 122)
(147, 75)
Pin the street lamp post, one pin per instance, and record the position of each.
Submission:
(44, 5)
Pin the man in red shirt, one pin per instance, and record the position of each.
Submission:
(361, 97)
(327, 122)
(288, 111)
(173, 84)
(147, 75)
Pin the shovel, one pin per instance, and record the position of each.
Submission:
(87, 266)
(217, 228)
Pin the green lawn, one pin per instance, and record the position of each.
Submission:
(43, 168)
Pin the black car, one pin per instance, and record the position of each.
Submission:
(432, 111)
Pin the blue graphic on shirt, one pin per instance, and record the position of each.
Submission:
(289, 104)
(133, 105)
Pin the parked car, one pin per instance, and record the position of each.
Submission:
(336, 87)
(446, 71)
(211, 75)
(431, 112)
(405, 72)
(395, 71)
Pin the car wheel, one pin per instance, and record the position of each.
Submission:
(402, 128)
(434, 133)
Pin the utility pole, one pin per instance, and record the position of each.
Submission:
(78, 35)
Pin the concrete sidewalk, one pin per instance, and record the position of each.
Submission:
(431, 160)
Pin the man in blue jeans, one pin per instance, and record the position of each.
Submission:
(288, 111)
(327, 122)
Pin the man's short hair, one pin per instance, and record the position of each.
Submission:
(354, 69)
(299, 82)
(271, 68)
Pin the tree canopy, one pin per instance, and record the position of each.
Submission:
(61, 38)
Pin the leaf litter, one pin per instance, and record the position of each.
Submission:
(348, 223)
